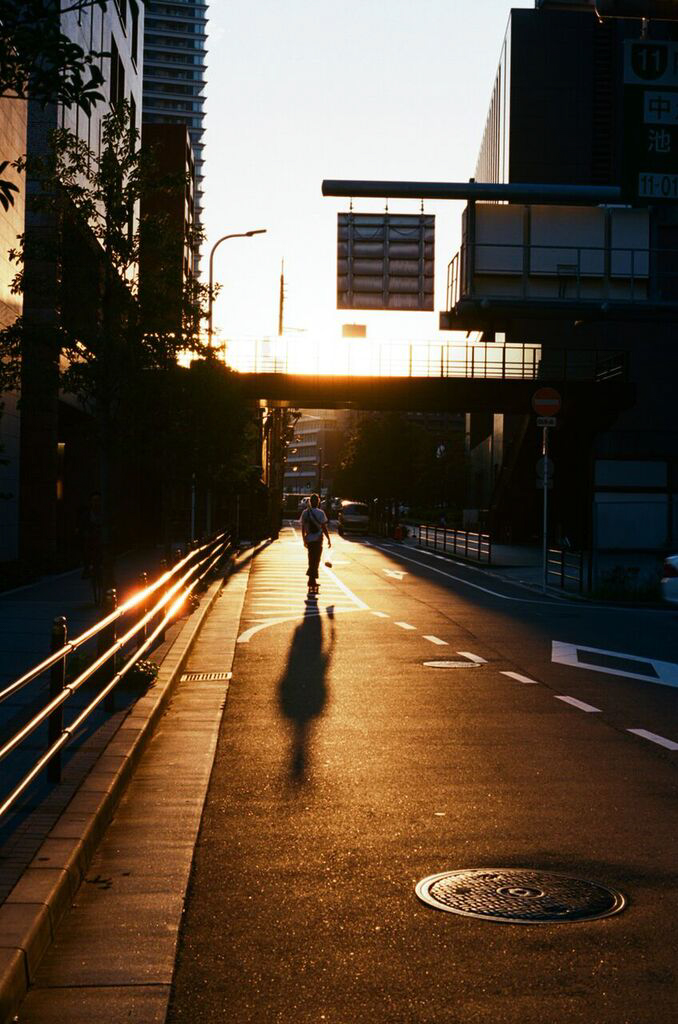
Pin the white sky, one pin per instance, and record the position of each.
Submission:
(301, 90)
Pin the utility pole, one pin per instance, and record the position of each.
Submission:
(281, 305)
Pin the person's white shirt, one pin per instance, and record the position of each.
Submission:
(314, 519)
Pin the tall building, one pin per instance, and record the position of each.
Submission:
(12, 140)
(175, 54)
(588, 282)
(61, 284)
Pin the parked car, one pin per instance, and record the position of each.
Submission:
(354, 517)
(670, 580)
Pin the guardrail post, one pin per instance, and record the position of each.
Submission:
(57, 682)
(163, 570)
(107, 639)
(143, 635)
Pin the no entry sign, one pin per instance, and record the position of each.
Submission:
(546, 402)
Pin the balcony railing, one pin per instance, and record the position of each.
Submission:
(571, 273)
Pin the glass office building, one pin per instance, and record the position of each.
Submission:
(175, 54)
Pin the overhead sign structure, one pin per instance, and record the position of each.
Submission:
(650, 171)
(385, 261)
(546, 402)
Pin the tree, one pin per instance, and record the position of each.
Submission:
(100, 336)
(39, 62)
(395, 460)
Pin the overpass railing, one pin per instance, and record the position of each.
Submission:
(123, 636)
(483, 361)
(475, 546)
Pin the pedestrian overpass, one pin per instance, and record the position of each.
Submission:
(426, 376)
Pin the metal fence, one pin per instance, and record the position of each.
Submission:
(569, 570)
(475, 546)
(123, 637)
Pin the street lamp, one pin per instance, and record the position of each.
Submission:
(240, 234)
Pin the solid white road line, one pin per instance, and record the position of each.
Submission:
(472, 657)
(342, 586)
(466, 583)
(576, 703)
(405, 625)
(615, 663)
(520, 679)
(436, 640)
(381, 615)
(654, 738)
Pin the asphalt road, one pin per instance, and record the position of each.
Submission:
(348, 770)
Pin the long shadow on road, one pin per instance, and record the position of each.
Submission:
(302, 690)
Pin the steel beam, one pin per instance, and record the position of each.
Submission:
(560, 195)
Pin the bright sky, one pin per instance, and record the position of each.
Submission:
(301, 90)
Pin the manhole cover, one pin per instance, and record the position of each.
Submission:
(205, 677)
(519, 896)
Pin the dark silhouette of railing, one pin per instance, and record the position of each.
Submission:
(475, 546)
(153, 607)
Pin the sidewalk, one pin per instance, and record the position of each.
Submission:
(61, 837)
(27, 613)
(516, 563)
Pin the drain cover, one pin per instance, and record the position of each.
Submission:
(205, 677)
(519, 896)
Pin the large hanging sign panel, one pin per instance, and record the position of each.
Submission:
(385, 261)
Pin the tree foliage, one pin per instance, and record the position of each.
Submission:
(392, 458)
(38, 61)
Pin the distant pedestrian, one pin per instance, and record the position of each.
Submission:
(313, 526)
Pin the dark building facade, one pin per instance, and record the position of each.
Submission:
(62, 279)
(168, 220)
(594, 281)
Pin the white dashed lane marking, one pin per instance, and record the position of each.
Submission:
(577, 703)
(521, 679)
(405, 625)
(436, 640)
(381, 615)
(473, 657)
(654, 738)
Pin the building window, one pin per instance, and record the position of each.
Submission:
(134, 13)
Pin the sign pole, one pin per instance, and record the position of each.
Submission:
(545, 485)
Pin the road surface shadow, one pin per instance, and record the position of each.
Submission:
(302, 690)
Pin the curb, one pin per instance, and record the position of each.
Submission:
(31, 913)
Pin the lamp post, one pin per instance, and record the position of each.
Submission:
(240, 234)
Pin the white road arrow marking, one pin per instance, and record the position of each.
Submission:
(615, 663)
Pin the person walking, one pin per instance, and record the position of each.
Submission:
(313, 526)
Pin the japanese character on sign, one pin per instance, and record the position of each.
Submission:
(659, 141)
(660, 107)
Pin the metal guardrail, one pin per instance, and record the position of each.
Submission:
(575, 272)
(484, 361)
(172, 589)
(570, 570)
(475, 546)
